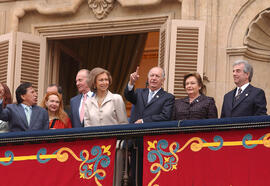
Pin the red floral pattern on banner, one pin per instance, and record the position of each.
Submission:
(88, 162)
(227, 158)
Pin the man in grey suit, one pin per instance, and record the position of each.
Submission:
(25, 115)
(76, 103)
(245, 99)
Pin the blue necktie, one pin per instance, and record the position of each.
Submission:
(28, 114)
(150, 96)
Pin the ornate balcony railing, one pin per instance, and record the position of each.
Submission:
(87, 155)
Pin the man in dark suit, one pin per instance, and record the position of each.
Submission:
(150, 104)
(244, 100)
(25, 115)
(76, 103)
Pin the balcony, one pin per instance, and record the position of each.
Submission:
(229, 151)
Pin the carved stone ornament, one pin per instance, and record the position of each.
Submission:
(258, 36)
(101, 8)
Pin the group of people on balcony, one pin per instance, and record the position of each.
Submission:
(95, 105)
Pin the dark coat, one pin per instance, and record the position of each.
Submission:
(252, 102)
(74, 111)
(158, 109)
(202, 107)
(15, 115)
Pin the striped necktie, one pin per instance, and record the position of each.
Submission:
(238, 94)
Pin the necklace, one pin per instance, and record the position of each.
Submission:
(100, 100)
(100, 96)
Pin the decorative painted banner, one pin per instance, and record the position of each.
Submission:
(227, 158)
(88, 162)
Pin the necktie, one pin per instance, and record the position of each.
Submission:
(82, 107)
(150, 96)
(28, 114)
(238, 94)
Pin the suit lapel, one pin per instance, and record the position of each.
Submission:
(33, 115)
(145, 93)
(231, 97)
(243, 96)
(156, 97)
(77, 106)
(22, 115)
(108, 97)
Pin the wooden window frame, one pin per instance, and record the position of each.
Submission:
(92, 29)
(118, 27)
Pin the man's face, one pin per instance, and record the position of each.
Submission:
(240, 77)
(30, 98)
(81, 82)
(52, 89)
(155, 78)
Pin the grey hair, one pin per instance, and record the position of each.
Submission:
(87, 72)
(163, 73)
(247, 67)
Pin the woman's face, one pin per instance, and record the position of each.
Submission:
(53, 103)
(192, 86)
(102, 82)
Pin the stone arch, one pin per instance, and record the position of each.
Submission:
(242, 20)
(258, 34)
(249, 39)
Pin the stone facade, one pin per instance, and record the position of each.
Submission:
(231, 30)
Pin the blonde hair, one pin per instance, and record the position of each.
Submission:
(60, 113)
(93, 77)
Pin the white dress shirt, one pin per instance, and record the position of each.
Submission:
(242, 88)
